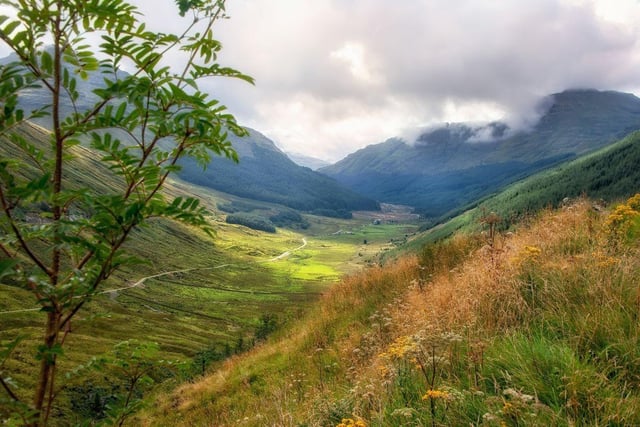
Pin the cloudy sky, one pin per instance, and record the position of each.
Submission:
(335, 75)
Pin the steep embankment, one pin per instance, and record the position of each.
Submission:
(535, 327)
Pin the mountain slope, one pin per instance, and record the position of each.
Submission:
(454, 165)
(265, 173)
(201, 300)
(610, 174)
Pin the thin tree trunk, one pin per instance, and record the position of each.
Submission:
(47, 365)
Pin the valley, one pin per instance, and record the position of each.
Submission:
(201, 298)
(163, 264)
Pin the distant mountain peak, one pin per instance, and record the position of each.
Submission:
(310, 162)
(247, 147)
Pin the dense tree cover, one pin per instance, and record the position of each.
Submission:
(609, 174)
(289, 218)
(251, 221)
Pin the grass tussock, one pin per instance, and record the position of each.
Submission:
(534, 327)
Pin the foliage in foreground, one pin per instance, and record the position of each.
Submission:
(61, 240)
(535, 327)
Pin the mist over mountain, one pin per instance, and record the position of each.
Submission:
(455, 164)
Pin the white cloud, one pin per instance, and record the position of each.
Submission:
(353, 55)
(335, 75)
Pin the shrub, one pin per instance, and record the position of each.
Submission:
(289, 218)
(253, 222)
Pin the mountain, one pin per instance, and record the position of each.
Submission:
(265, 173)
(607, 175)
(312, 163)
(32, 99)
(450, 166)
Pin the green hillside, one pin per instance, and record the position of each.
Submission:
(609, 174)
(450, 167)
(199, 298)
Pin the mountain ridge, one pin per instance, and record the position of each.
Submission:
(264, 173)
(267, 174)
(443, 170)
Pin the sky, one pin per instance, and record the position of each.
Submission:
(332, 76)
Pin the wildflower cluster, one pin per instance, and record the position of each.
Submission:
(528, 254)
(603, 260)
(532, 251)
(400, 348)
(634, 202)
(436, 394)
(620, 223)
(350, 422)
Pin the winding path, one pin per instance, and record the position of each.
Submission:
(166, 273)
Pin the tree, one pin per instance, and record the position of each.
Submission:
(140, 123)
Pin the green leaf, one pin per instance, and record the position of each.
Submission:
(10, 27)
(46, 62)
(7, 266)
(7, 348)
(49, 353)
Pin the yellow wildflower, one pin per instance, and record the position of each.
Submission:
(634, 202)
(436, 394)
(383, 370)
(400, 347)
(350, 422)
(508, 409)
(532, 251)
